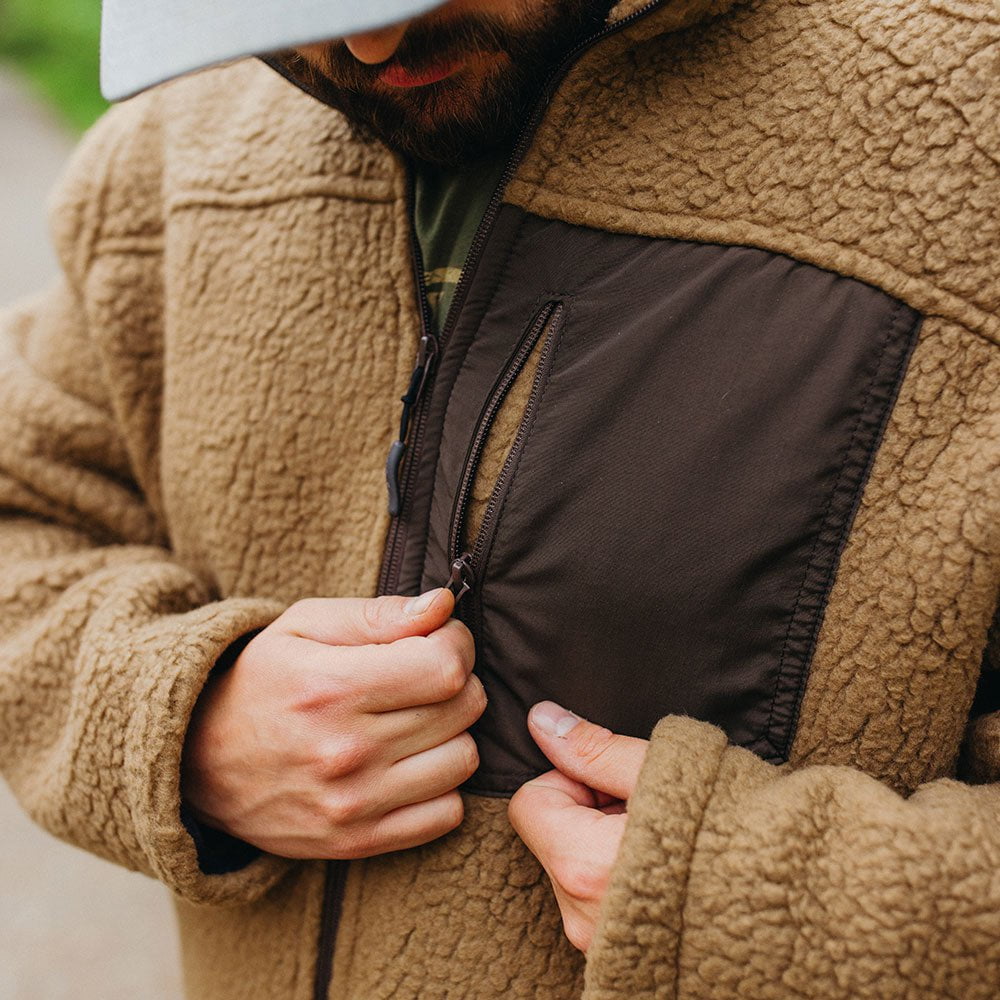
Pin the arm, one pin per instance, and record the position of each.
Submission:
(737, 878)
(105, 639)
(339, 729)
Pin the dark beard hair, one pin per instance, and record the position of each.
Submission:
(440, 123)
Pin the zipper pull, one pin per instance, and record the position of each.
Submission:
(392, 464)
(426, 352)
(414, 392)
(462, 578)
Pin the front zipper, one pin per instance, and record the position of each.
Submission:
(468, 565)
(404, 456)
(334, 883)
(407, 447)
(398, 473)
(415, 392)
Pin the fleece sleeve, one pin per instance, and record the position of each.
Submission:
(105, 637)
(738, 878)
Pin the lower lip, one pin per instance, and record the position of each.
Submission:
(396, 76)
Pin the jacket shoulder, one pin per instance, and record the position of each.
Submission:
(238, 131)
(942, 52)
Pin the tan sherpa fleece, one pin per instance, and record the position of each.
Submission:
(192, 429)
(118, 592)
(861, 136)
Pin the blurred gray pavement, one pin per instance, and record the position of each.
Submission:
(72, 927)
(33, 150)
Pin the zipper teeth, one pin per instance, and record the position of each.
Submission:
(394, 550)
(487, 419)
(417, 252)
(334, 885)
(499, 491)
(392, 563)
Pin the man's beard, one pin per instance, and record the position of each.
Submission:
(457, 119)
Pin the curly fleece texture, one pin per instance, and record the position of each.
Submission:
(192, 426)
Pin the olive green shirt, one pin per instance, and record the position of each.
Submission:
(448, 205)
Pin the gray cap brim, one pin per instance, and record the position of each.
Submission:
(144, 42)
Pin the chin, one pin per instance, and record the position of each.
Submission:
(449, 129)
(452, 143)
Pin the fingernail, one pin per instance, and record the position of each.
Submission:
(422, 603)
(553, 719)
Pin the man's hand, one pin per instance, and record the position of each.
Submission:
(573, 818)
(340, 731)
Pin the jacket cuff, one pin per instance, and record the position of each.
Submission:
(199, 867)
(637, 939)
(220, 853)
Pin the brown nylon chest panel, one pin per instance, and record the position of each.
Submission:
(698, 432)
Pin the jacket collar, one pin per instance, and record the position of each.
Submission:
(664, 16)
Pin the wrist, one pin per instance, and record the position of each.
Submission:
(196, 763)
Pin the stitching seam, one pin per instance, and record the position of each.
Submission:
(819, 544)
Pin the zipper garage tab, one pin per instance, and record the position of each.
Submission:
(463, 577)
(414, 393)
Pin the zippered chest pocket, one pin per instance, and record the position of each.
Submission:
(496, 447)
(487, 474)
(645, 478)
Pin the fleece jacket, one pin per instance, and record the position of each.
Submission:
(193, 423)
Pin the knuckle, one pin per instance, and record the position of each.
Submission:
(452, 812)
(451, 673)
(592, 743)
(346, 807)
(463, 642)
(362, 842)
(341, 757)
(522, 807)
(279, 646)
(468, 754)
(582, 881)
(517, 808)
(315, 694)
(458, 639)
(379, 613)
(476, 694)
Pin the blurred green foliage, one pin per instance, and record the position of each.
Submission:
(55, 43)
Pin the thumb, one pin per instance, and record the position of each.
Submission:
(360, 621)
(592, 755)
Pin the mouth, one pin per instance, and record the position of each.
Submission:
(398, 76)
